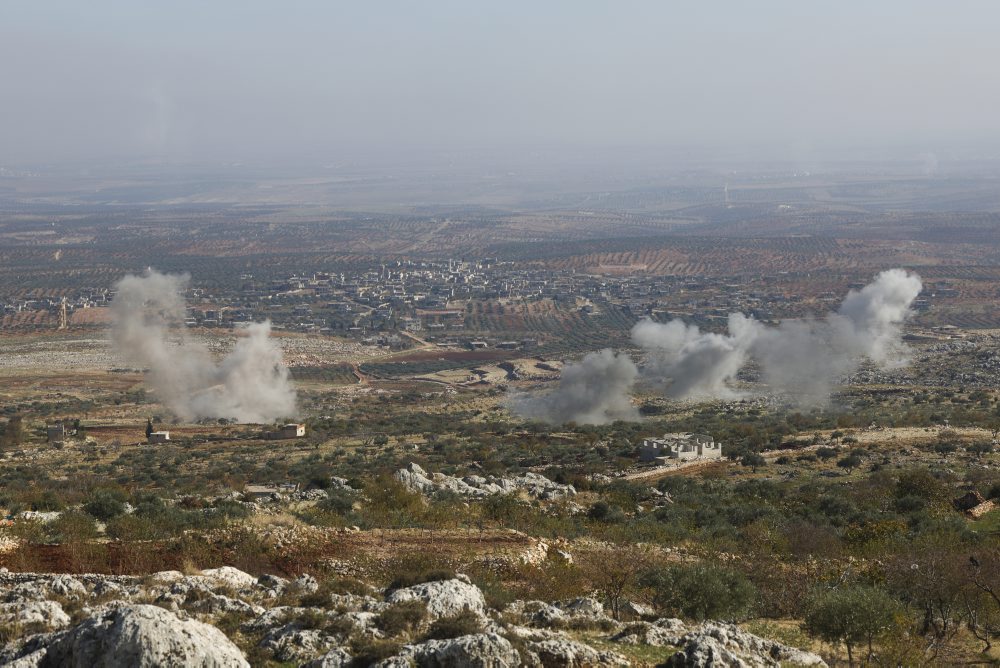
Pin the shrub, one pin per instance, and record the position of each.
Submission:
(851, 615)
(462, 624)
(602, 511)
(753, 461)
(701, 591)
(419, 577)
(104, 504)
(825, 453)
(368, 651)
(401, 617)
(850, 462)
(72, 526)
(339, 502)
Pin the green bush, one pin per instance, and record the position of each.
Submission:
(105, 504)
(851, 615)
(701, 591)
(339, 502)
(72, 526)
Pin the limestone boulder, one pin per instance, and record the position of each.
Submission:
(141, 636)
(443, 598)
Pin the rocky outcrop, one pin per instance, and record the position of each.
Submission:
(335, 658)
(291, 644)
(536, 613)
(444, 597)
(534, 633)
(140, 636)
(481, 650)
(231, 577)
(537, 486)
(566, 653)
(36, 615)
(661, 633)
(578, 612)
(715, 644)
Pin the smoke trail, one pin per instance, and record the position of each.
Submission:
(250, 384)
(593, 391)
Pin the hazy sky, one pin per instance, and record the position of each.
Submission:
(232, 79)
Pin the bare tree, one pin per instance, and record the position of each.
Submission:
(615, 570)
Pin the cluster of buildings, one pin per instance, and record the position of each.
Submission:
(430, 297)
(87, 299)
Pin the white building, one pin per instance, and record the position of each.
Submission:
(679, 447)
(292, 430)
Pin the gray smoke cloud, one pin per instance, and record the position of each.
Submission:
(803, 359)
(684, 362)
(594, 390)
(250, 384)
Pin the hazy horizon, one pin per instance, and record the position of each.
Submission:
(232, 81)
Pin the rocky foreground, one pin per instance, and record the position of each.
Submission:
(225, 617)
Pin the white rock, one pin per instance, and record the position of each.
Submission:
(443, 598)
(166, 577)
(142, 636)
(573, 654)
(48, 615)
(335, 658)
(67, 586)
(714, 644)
(292, 644)
(230, 577)
(660, 634)
(481, 650)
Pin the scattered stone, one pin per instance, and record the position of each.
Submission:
(67, 586)
(304, 584)
(537, 613)
(335, 658)
(566, 653)
(291, 644)
(718, 644)
(661, 633)
(340, 484)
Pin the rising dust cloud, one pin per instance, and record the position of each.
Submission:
(250, 384)
(802, 359)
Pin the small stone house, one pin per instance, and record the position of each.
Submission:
(292, 430)
(55, 432)
(679, 447)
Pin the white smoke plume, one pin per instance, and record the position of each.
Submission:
(251, 384)
(802, 359)
(593, 391)
(684, 362)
